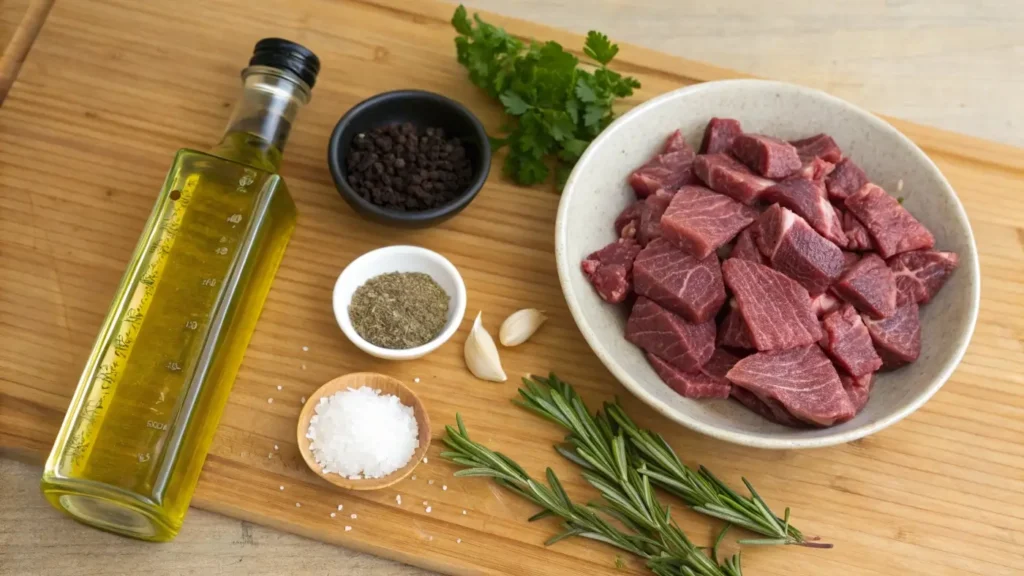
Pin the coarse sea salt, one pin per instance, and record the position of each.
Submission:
(361, 433)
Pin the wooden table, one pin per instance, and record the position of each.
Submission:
(891, 59)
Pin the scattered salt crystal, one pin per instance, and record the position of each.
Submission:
(463, 512)
(416, 380)
(398, 499)
(428, 509)
(275, 447)
(431, 482)
(362, 433)
(270, 454)
(413, 476)
(354, 516)
(303, 399)
(348, 528)
(270, 400)
(279, 387)
(341, 507)
(305, 348)
(425, 460)
(458, 540)
(298, 505)
(303, 366)
(444, 487)
(899, 185)
(333, 514)
(281, 487)
(425, 503)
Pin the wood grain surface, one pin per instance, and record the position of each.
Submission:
(83, 156)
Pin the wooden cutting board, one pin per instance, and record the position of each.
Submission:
(111, 89)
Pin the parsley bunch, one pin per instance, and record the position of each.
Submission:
(555, 107)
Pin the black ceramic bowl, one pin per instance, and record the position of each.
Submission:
(424, 110)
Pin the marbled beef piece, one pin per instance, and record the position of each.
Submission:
(724, 175)
(610, 269)
(776, 309)
(897, 338)
(796, 250)
(765, 155)
(893, 229)
(719, 134)
(849, 343)
(669, 170)
(649, 225)
(818, 146)
(807, 199)
(685, 346)
(869, 285)
(694, 385)
(857, 237)
(858, 388)
(844, 180)
(921, 274)
(802, 380)
(700, 221)
(746, 248)
(685, 285)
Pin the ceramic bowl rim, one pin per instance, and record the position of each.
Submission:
(565, 268)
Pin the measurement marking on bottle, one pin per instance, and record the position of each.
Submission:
(221, 251)
(235, 218)
(161, 399)
(174, 366)
(156, 425)
(209, 282)
(223, 239)
(191, 324)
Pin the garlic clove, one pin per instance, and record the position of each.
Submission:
(481, 354)
(518, 327)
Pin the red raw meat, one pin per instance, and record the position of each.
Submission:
(610, 269)
(897, 338)
(818, 146)
(700, 221)
(689, 287)
(733, 331)
(893, 229)
(824, 303)
(719, 135)
(653, 208)
(776, 309)
(869, 285)
(921, 274)
(849, 259)
(849, 343)
(814, 169)
(725, 175)
(689, 385)
(767, 156)
(807, 199)
(844, 180)
(802, 380)
(627, 220)
(656, 330)
(746, 248)
(669, 170)
(857, 389)
(768, 409)
(857, 237)
(796, 250)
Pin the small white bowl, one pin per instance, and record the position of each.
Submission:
(400, 259)
(597, 191)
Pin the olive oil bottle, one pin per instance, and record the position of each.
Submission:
(129, 453)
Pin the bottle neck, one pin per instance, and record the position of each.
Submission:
(262, 118)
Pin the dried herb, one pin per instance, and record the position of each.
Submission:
(399, 310)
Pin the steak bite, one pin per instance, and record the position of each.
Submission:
(610, 269)
(700, 221)
(893, 229)
(724, 175)
(776, 309)
(767, 156)
(679, 282)
(685, 346)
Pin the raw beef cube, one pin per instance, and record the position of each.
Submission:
(814, 169)
(802, 380)
(846, 179)
(857, 388)
(727, 176)
(807, 199)
(921, 274)
(893, 229)
(746, 248)
(719, 135)
(689, 385)
(897, 338)
(818, 146)
(849, 343)
(776, 309)
(719, 365)
(734, 332)
(700, 221)
(656, 330)
(767, 156)
(610, 269)
(796, 250)
(849, 259)
(689, 287)
(627, 220)
(650, 216)
(857, 237)
(870, 286)
(824, 303)
(669, 170)
(770, 409)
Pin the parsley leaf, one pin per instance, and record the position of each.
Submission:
(554, 107)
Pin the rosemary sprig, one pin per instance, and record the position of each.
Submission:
(594, 439)
(651, 533)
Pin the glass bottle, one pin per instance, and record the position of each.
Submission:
(129, 453)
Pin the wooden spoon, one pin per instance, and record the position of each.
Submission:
(387, 385)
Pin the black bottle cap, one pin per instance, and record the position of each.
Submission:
(286, 55)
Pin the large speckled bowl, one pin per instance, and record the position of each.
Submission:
(597, 191)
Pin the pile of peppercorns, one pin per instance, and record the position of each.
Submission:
(398, 168)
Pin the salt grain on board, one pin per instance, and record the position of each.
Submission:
(298, 505)
(416, 380)
(270, 400)
(341, 507)
(413, 476)
(425, 503)
(275, 447)
(353, 516)
(463, 512)
(362, 433)
(305, 348)
(280, 487)
(431, 482)
(444, 487)
(458, 540)
(398, 499)
(348, 528)
(279, 387)
(303, 399)
(425, 460)
(333, 514)
(303, 366)
(428, 509)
